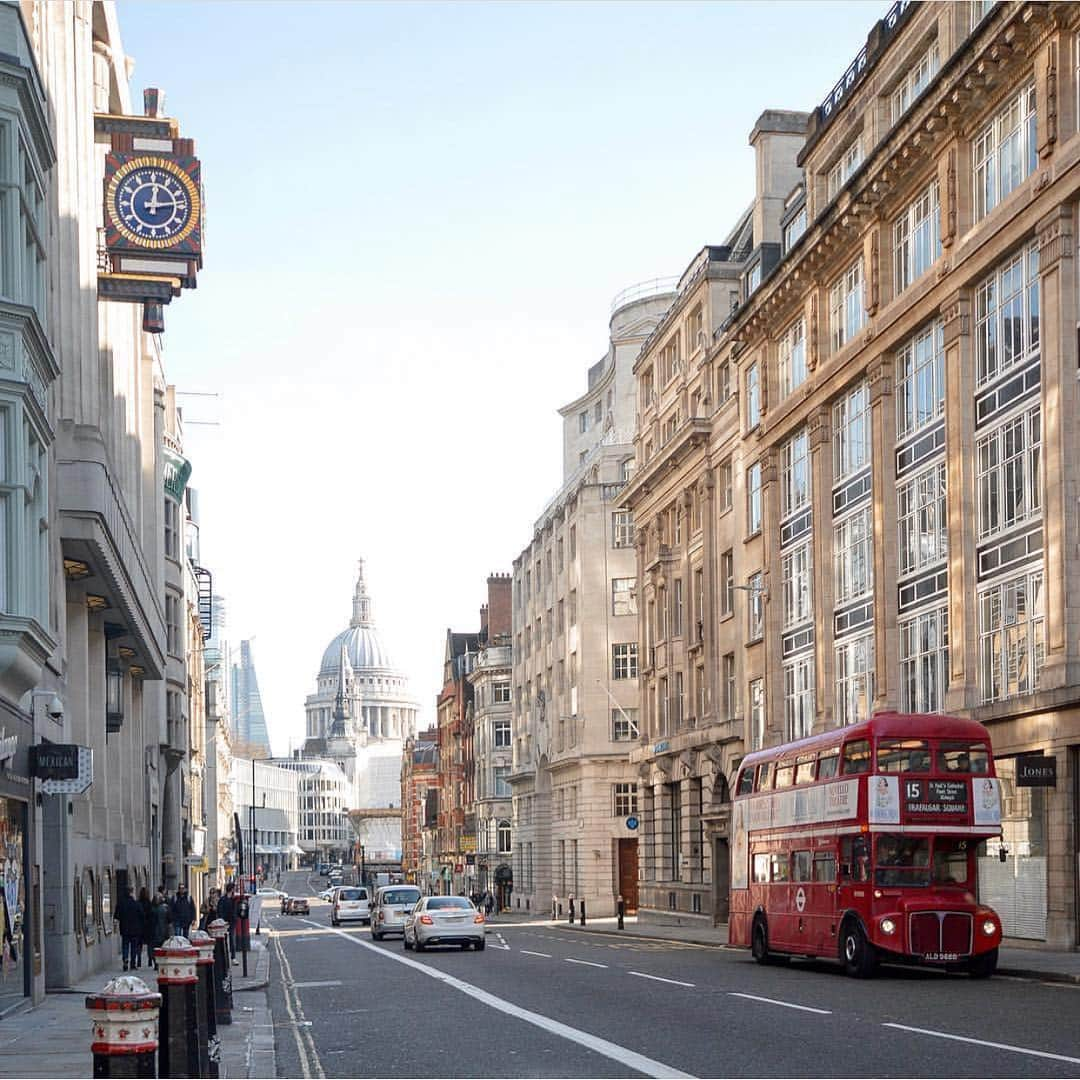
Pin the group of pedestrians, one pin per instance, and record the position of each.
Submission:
(151, 919)
(484, 901)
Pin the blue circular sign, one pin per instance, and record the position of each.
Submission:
(631, 822)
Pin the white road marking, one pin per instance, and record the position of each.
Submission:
(587, 963)
(984, 1042)
(786, 1004)
(325, 982)
(658, 978)
(309, 1066)
(501, 945)
(630, 1058)
(529, 952)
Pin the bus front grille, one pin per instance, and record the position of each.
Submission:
(937, 932)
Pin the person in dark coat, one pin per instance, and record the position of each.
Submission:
(129, 917)
(182, 911)
(159, 924)
(146, 906)
(227, 910)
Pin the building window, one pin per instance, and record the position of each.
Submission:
(678, 700)
(695, 330)
(723, 383)
(583, 421)
(623, 596)
(921, 521)
(624, 799)
(573, 541)
(851, 432)
(1008, 460)
(794, 229)
(501, 692)
(920, 380)
(917, 238)
(598, 412)
(846, 306)
(854, 678)
(753, 397)
(624, 725)
(172, 529)
(728, 683)
(503, 837)
(915, 82)
(724, 486)
(172, 624)
(753, 279)
(699, 600)
(799, 697)
(624, 660)
(622, 529)
(853, 555)
(792, 357)
(1007, 316)
(501, 734)
(502, 786)
(677, 610)
(753, 499)
(794, 474)
(755, 586)
(757, 714)
(796, 571)
(1004, 152)
(924, 661)
(844, 169)
(727, 583)
(979, 10)
(1012, 643)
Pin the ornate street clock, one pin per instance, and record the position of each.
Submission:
(153, 203)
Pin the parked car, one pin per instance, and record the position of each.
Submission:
(391, 905)
(350, 902)
(444, 920)
(295, 905)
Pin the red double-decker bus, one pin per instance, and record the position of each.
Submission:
(859, 844)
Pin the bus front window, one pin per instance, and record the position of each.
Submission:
(951, 861)
(902, 860)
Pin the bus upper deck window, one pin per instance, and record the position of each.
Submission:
(856, 757)
(764, 776)
(785, 775)
(903, 755)
(746, 782)
(804, 768)
(827, 764)
(963, 758)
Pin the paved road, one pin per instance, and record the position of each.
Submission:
(548, 1002)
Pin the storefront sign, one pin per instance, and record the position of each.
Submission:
(936, 796)
(75, 785)
(51, 761)
(8, 745)
(1036, 770)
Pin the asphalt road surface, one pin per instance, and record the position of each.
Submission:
(549, 1002)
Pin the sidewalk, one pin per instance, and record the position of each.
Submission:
(1017, 961)
(53, 1039)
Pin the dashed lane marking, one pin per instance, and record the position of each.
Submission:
(529, 952)
(659, 978)
(322, 982)
(785, 1004)
(622, 1054)
(587, 963)
(983, 1042)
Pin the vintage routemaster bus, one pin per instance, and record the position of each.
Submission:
(859, 844)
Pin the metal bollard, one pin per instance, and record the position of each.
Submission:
(223, 1002)
(583, 911)
(178, 1046)
(208, 1037)
(571, 901)
(125, 1007)
(622, 911)
(554, 908)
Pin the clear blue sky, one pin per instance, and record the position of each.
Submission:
(417, 217)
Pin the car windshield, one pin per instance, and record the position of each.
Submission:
(351, 894)
(437, 902)
(401, 896)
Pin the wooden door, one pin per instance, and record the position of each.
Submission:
(628, 874)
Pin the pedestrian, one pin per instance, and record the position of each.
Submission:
(146, 907)
(489, 902)
(208, 910)
(129, 918)
(158, 925)
(227, 910)
(182, 910)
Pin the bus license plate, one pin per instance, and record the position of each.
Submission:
(939, 956)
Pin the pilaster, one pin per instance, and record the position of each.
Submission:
(883, 458)
(819, 432)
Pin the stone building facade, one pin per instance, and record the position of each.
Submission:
(420, 807)
(575, 651)
(889, 470)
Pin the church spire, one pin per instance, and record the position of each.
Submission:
(361, 605)
(342, 707)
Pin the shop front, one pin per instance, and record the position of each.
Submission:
(18, 889)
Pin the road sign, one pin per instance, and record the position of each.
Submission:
(631, 822)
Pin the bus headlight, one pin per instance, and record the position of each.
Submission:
(888, 926)
(989, 927)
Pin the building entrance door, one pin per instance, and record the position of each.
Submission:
(628, 874)
(721, 880)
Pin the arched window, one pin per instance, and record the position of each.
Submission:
(503, 837)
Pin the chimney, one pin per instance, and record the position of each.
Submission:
(498, 606)
(777, 138)
(483, 622)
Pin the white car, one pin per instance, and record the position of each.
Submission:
(391, 906)
(444, 920)
(349, 902)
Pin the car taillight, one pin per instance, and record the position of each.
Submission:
(427, 920)
(478, 918)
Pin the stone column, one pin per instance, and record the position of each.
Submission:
(883, 495)
(773, 669)
(821, 472)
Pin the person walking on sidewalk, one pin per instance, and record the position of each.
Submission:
(159, 924)
(129, 917)
(227, 910)
(182, 910)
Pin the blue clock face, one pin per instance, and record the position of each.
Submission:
(152, 203)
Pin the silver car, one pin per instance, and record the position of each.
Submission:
(392, 904)
(444, 920)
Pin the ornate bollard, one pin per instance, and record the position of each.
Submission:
(583, 911)
(621, 912)
(178, 1048)
(124, 1028)
(219, 931)
(571, 908)
(208, 1038)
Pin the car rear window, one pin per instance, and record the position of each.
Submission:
(437, 902)
(352, 894)
(401, 896)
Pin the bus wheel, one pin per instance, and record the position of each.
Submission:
(859, 956)
(759, 941)
(983, 966)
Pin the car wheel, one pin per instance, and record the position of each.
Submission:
(405, 942)
(860, 957)
(759, 942)
(419, 946)
(480, 945)
(376, 936)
